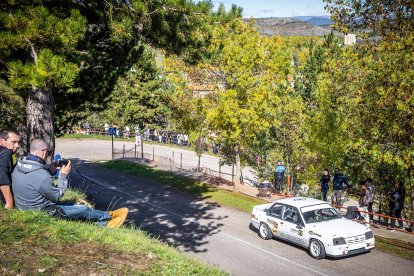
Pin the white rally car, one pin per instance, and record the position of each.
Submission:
(313, 224)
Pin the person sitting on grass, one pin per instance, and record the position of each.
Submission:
(33, 189)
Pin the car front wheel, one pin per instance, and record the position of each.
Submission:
(316, 249)
(264, 231)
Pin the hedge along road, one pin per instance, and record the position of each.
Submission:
(214, 234)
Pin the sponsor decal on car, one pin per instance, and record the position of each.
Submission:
(274, 227)
(314, 234)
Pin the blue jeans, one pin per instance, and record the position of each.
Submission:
(324, 192)
(75, 211)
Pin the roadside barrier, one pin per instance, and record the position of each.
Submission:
(176, 162)
(381, 215)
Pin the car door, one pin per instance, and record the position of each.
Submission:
(291, 225)
(273, 218)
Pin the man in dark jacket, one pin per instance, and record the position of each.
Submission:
(279, 174)
(34, 190)
(397, 204)
(338, 186)
(9, 143)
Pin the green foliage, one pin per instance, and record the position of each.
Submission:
(11, 106)
(49, 71)
(373, 18)
(257, 112)
(139, 97)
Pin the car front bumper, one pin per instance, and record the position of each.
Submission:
(344, 250)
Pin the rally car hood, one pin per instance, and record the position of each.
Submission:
(338, 228)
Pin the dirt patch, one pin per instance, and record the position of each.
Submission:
(84, 258)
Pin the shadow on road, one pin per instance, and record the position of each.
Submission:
(173, 216)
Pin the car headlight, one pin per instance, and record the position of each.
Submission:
(369, 235)
(339, 241)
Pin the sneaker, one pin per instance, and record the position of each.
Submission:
(118, 218)
(391, 229)
(118, 212)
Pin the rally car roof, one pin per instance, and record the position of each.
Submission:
(301, 201)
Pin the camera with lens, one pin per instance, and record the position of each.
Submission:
(60, 163)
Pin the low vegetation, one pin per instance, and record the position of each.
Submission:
(395, 247)
(188, 185)
(41, 244)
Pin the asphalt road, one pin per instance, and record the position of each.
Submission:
(212, 233)
(94, 149)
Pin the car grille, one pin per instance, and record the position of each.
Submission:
(355, 239)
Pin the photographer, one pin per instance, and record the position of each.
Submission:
(34, 190)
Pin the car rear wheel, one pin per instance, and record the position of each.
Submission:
(316, 249)
(264, 231)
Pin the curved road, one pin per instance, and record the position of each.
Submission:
(94, 149)
(212, 233)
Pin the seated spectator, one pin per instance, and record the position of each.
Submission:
(34, 190)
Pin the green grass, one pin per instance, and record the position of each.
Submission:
(33, 243)
(396, 247)
(188, 185)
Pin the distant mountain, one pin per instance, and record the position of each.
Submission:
(315, 20)
(288, 27)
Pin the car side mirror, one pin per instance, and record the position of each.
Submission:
(299, 225)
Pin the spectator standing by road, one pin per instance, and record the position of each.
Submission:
(127, 132)
(137, 135)
(324, 183)
(88, 128)
(372, 191)
(9, 143)
(338, 186)
(364, 197)
(34, 190)
(397, 203)
(279, 174)
(106, 127)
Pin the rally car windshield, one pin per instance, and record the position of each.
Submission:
(319, 215)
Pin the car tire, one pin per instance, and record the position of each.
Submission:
(316, 249)
(264, 231)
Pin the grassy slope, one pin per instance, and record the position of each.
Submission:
(197, 188)
(32, 242)
(239, 201)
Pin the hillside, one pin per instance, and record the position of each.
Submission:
(316, 20)
(288, 27)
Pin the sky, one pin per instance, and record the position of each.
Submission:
(276, 8)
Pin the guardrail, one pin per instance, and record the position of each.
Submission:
(383, 216)
(173, 163)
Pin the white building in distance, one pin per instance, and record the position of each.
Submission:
(350, 39)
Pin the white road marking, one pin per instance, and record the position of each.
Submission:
(273, 254)
(97, 182)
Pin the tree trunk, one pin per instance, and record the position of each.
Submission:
(40, 110)
(237, 176)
